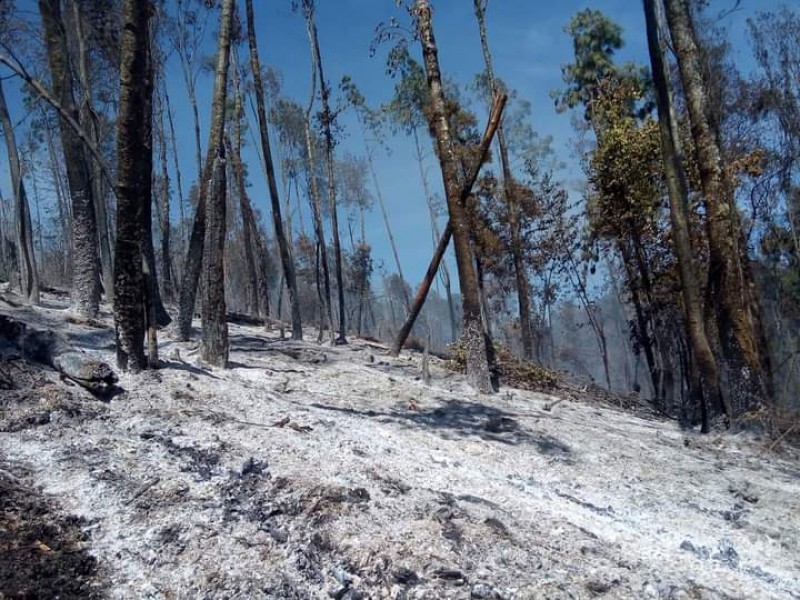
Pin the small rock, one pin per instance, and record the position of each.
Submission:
(449, 574)
(405, 576)
(699, 552)
(742, 490)
(253, 467)
(277, 534)
(598, 587)
(727, 554)
(481, 590)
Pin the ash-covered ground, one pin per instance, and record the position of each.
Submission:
(311, 471)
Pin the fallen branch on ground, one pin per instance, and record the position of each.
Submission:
(53, 350)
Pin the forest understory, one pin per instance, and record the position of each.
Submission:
(312, 471)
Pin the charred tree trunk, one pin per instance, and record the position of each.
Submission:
(323, 287)
(90, 122)
(472, 331)
(164, 207)
(28, 273)
(253, 304)
(703, 373)
(215, 347)
(176, 165)
(284, 247)
(728, 274)
(85, 276)
(64, 212)
(134, 185)
(193, 266)
(326, 119)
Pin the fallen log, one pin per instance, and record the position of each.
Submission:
(241, 319)
(53, 350)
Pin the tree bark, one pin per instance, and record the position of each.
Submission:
(703, 372)
(284, 247)
(472, 331)
(728, 274)
(134, 185)
(28, 273)
(215, 348)
(90, 122)
(85, 275)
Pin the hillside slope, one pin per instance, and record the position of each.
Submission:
(307, 471)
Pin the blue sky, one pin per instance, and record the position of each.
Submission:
(529, 47)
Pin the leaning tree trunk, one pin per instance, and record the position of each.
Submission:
(324, 293)
(134, 184)
(28, 273)
(326, 119)
(215, 347)
(85, 274)
(703, 373)
(197, 242)
(280, 235)
(444, 272)
(164, 204)
(253, 304)
(472, 330)
(509, 195)
(444, 240)
(728, 275)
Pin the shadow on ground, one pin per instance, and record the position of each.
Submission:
(456, 419)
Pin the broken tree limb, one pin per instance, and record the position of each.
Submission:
(53, 350)
(466, 189)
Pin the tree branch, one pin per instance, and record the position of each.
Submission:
(17, 68)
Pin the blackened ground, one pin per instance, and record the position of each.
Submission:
(42, 553)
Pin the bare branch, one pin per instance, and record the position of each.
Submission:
(42, 92)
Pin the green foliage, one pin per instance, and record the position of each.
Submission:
(595, 39)
(626, 168)
(407, 108)
(359, 268)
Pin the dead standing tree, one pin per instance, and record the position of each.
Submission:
(28, 273)
(215, 347)
(510, 197)
(132, 298)
(326, 118)
(85, 272)
(263, 127)
(195, 258)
